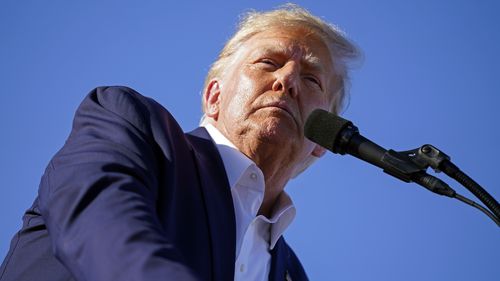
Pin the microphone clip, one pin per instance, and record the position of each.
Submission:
(411, 165)
(426, 156)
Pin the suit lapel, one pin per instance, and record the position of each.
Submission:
(218, 203)
(279, 256)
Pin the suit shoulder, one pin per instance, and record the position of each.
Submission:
(117, 99)
(123, 102)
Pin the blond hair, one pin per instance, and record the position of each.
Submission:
(290, 15)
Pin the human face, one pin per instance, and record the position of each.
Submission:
(274, 81)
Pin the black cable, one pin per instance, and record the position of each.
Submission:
(481, 208)
(454, 172)
(433, 184)
(440, 187)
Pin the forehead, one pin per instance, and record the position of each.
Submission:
(292, 42)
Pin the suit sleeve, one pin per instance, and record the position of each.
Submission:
(98, 195)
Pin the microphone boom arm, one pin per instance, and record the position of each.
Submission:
(429, 156)
(342, 137)
(401, 165)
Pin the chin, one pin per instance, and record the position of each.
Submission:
(277, 130)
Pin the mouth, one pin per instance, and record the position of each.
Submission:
(282, 107)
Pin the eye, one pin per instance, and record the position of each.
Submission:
(268, 62)
(315, 81)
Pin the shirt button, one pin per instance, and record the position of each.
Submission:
(242, 267)
(253, 176)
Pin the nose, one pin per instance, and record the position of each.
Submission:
(287, 79)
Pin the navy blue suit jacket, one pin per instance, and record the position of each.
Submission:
(131, 197)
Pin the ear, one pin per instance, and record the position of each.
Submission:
(318, 151)
(211, 99)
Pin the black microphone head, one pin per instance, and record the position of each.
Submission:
(324, 128)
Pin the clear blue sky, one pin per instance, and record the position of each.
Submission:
(430, 74)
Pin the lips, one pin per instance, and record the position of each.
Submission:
(283, 106)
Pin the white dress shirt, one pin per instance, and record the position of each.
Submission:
(255, 235)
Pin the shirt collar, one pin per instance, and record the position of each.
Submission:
(235, 162)
(282, 216)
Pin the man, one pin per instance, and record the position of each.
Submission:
(131, 197)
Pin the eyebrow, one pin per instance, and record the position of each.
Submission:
(310, 61)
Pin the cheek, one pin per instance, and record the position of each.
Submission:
(240, 95)
(245, 91)
(320, 101)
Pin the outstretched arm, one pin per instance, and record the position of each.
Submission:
(99, 192)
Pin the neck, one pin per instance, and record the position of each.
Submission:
(275, 165)
(276, 161)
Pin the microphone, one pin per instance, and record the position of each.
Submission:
(341, 136)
